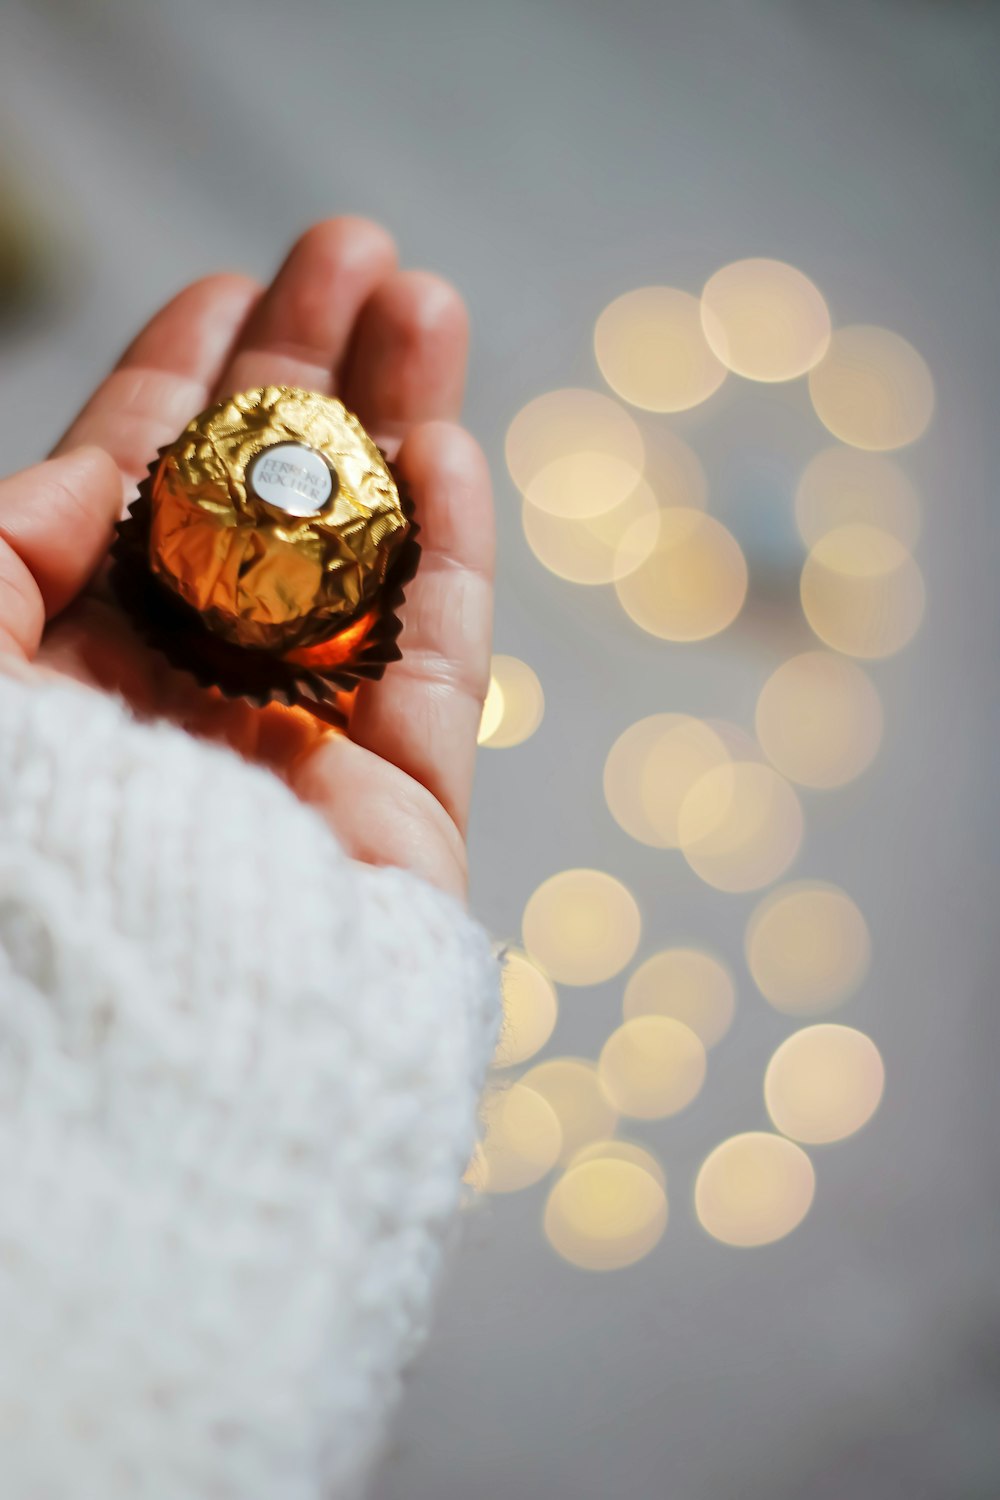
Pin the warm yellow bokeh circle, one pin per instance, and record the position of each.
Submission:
(740, 826)
(862, 592)
(652, 351)
(574, 452)
(650, 769)
(572, 1089)
(688, 984)
(530, 1009)
(693, 582)
(605, 1213)
(819, 719)
(595, 549)
(807, 947)
(872, 389)
(514, 706)
(652, 1066)
(754, 1189)
(824, 1083)
(843, 485)
(581, 926)
(522, 1140)
(765, 320)
(616, 1149)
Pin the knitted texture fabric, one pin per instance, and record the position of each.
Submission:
(238, 1086)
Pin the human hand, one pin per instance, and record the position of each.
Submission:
(339, 317)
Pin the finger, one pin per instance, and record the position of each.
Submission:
(424, 715)
(55, 525)
(300, 332)
(407, 359)
(379, 815)
(94, 643)
(165, 376)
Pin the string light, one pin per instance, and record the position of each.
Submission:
(819, 719)
(652, 1066)
(687, 984)
(862, 592)
(530, 1009)
(872, 389)
(754, 1189)
(572, 1089)
(824, 1083)
(740, 826)
(693, 582)
(620, 1150)
(492, 714)
(604, 505)
(576, 452)
(605, 1214)
(522, 1141)
(674, 470)
(807, 947)
(652, 767)
(841, 485)
(514, 706)
(652, 350)
(598, 549)
(765, 320)
(582, 926)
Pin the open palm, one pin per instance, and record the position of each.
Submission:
(340, 318)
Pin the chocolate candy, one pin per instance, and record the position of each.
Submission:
(269, 546)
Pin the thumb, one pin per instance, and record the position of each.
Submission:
(56, 522)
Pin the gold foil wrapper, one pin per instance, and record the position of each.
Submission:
(268, 552)
(276, 518)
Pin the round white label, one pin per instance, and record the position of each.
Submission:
(292, 477)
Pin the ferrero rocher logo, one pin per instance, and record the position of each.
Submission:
(293, 477)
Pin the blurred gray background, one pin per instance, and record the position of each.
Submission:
(548, 157)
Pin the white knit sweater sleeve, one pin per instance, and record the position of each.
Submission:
(238, 1087)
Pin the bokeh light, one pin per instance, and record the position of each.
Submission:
(842, 485)
(620, 1150)
(522, 1141)
(574, 452)
(872, 389)
(693, 583)
(598, 549)
(607, 503)
(582, 926)
(807, 947)
(823, 1083)
(739, 743)
(862, 592)
(674, 470)
(754, 1189)
(819, 719)
(765, 320)
(582, 486)
(514, 706)
(572, 1089)
(530, 1010)
(740, 826)
(650, 769)
(688, 985)
(652, 1066)
(652, 350)
(605, 1214)
(492, 713)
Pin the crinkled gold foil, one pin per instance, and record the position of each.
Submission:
(258, 576)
